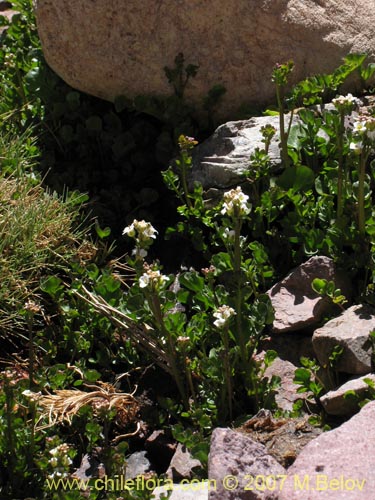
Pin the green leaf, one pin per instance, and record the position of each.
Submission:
(297, 178)
(51, 285)
(270, 112)
(192, 281)
(302, 376)
(270, 357)
(319, 285)
(92, 375)
(102, 233)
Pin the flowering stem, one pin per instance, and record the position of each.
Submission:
(228, 378)
(189, 379)
(361, 192)
(184, 167)
(340, 174)
(237, 273)
(154, 303)
(283, 135)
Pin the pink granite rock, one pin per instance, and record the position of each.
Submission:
(286, 394)
(235, 460)
(338, 402)
(337, 465)
(296, 304)
(351, 330)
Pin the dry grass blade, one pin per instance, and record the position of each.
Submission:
(65, 404)
(40, 235)
(141, 335)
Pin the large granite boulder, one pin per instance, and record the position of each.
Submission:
(112, 48)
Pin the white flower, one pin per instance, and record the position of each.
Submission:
(229, 234)
(53, 461)
(153, 279)
(223, 314)
(235, 203)
(341, 101)
(356, 147)
(140, 230)
(144, 280)
(359, 127)
(66, 461)
(139, 252)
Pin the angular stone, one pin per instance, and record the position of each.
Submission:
(182, 464)
(137, 464)
(336, 403)
(233, 460)
(286, 394)
(351, 330)
(296, 304)
(337, 465)
(222, 160)
(88, 469)
(112, 48)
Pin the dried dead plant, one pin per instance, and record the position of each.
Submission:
(62, 406)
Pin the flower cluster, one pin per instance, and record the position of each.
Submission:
(143, 233)
(363, 131)
(223, 315)
(345, 103)
(152, 279)
(235, 203)
(60, 461)
(186, 143)
(281, 73)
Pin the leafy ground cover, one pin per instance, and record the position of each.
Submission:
(81, 328)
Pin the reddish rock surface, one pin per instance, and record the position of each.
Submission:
(234, 460)
(296, 304)
(351, 330)
(337, 465)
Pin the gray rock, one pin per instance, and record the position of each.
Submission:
(286, 394)
(234, 460)
(137, 464)
(337, 402)
(112, 48)
(193, 490)
(182, 464)
(337, 465)
(89, 468)
(296, 304)
(222, 160)
(351, 330)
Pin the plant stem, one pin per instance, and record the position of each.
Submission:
(184, 179)
(361, 193)
(340, 174)
(228, 378)
(238, 298)
(283, 135)
(31, 352)
(154, 302)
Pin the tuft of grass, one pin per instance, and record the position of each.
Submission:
(40, 235)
